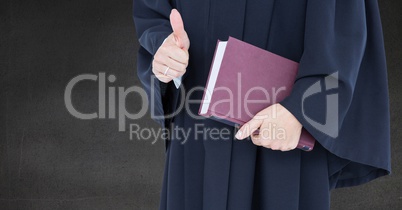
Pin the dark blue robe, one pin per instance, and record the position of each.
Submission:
(333, 40)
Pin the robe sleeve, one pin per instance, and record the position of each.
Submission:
(340, 94)
(335, 41)
(151, 19)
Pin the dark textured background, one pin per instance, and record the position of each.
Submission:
(52, 160)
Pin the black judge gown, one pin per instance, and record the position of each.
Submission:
(333, 40)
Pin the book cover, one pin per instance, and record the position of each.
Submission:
(245, 79)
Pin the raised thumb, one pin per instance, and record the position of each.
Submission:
(178, 29)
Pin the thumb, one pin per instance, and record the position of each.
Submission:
(248, 129)
(178, 30)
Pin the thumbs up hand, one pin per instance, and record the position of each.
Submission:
(171, 59)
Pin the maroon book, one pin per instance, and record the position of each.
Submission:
(245, 79)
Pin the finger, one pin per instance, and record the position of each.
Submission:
(173, 67)
(286, 149)
(178, 29)
(248, 128)
(173, 73)
(290, 146)
(180, 56)
(166, 53)
(274, 146)
(162, 69)
(174, 64)
(163, 78)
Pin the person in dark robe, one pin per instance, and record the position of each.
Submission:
(340, 50)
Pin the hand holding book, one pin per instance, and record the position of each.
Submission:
(277, 129)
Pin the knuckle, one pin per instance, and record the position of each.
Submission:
(157, 56)
(266, 144)
(184, 57)
(182, 67)
(162, 78)
(174, 74)
(183, 54)
(275, 147)
(165, 80)
(256, 141)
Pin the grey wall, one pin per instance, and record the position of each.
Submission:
(52, 160)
